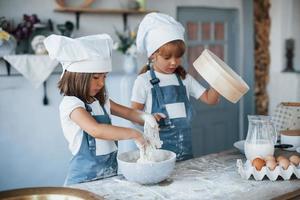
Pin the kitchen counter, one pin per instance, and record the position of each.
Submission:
(213, 176)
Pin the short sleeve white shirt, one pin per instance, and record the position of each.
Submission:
(73, 133)
(141, 92)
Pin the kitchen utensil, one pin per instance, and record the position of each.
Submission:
(291, 137)
(261, 137)
(83, 4)
(283, 146)
(45, 98)
(48, 193)
(147, 173)
(220, 76)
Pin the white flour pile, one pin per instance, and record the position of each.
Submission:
(151, 134)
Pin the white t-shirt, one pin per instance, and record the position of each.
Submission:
(142, 94)
(73, 133)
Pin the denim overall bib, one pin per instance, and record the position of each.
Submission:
(178, 136)
(85, 165)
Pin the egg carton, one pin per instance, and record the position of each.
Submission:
(246, 170)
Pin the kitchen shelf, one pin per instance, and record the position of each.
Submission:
(123, 12)
(20, 75)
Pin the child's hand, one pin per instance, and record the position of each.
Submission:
(150, 120)
(140, 141)
(159, 116)
(151, 133)
(210, 96)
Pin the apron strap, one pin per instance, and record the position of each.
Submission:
(89, 109)
(154, 81)
(105, 113)
(91, 140)
(179, 80)
(92, 145)
(182, 87)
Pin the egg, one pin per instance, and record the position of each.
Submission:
(284, 163)
(294, 159)
(279, 158)
(258, 163)
(267, 158)
(271, 164)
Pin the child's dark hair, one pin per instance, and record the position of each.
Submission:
(78, 84)
(175, 47)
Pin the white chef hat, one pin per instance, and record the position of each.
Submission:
(155, 30)
(89, 54)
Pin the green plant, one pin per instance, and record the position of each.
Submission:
(126, 43)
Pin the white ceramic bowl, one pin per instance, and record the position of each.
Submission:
(146, 173)
(291, 137)
(240, 146)
(220, 76)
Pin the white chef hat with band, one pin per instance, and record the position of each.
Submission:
(89, 54)
(155, 30)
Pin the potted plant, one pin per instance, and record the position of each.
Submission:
(127, 46)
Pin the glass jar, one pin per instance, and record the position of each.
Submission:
(261, 137)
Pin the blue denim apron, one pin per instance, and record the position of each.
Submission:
(175, 133)
(85, 165)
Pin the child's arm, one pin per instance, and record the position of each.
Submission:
(103, 131)
(134, 115)
(137, 106)
(210, 96)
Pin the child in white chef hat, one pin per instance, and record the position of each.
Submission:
(163, 85)
(85, 110)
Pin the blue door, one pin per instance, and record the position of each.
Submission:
(214, 128)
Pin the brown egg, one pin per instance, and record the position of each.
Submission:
(284, 163)
(279, 158)
(271, 164)
(267, 158)
(258, 163)
(294, 159)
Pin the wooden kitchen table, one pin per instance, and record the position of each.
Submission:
(213, 176)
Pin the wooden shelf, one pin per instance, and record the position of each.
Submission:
(101, 10)
(123, 12)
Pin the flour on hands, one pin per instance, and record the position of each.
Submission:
(151, 135)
